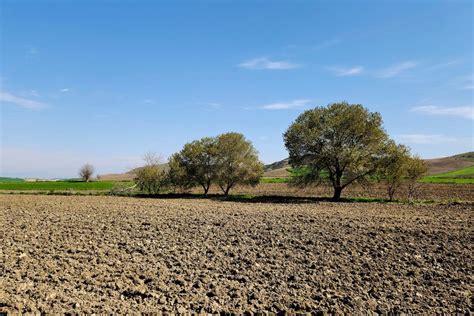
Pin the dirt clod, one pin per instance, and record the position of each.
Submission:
(93, 254)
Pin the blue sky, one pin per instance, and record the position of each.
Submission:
(106, 81)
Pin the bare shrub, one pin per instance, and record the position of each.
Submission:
(86, 172)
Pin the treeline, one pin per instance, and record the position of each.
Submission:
(226, 161)
(340, 144)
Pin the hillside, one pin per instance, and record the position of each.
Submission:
(437, 165)
(448, 164)
(127, 176)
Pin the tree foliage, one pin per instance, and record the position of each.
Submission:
(341, 143)
(393, 166)
(150, 178)
(226, 160)
(237, 162)
(415, 168)
(197, 161)
(177, 176)
(86, 172)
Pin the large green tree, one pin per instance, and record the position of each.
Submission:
(341, 143)
(237, 162)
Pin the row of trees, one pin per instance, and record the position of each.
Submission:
(339, 144)
(226, 160)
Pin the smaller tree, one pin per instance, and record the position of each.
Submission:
(415, 168)
(150, 178)
(86, 172)
(176, 177)
(393, 165)
(237, 162)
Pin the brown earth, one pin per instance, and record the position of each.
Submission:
(95, 254)
(427, 191)
(439, 192)
(447, 164)
(117, 177)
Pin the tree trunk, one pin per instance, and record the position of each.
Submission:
(226, 192)
(391, 193)
(205, 188)
(337, 193)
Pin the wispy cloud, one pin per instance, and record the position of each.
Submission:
(267, 64)
(21, 102)
(460, 111)
(214, 105)
(442, 65)
(397, 69)
(345, 72)
(466, 82)
(31, 51)
(210, 106)
(286, 105)
(64, 90)
(327, 44)
(425, 139)
(149, 101)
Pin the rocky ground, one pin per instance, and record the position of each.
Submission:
(109, 254)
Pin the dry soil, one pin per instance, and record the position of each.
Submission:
(110, 254)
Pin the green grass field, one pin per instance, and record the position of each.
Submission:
(274, 180)
(448, 180)
(6, 179)
(58, 185)
(461, 176)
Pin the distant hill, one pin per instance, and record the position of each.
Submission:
(127, 176)
(448, 164)
(438, 165)
(277, 169)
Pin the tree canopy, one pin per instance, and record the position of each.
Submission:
(226, 160)
(237, 162)
(341, 143)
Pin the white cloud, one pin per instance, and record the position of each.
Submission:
(286, 105)
(21, 102)
(345, 72)
(267, 64)
(425, 139)
(397, 69)
(460, 111)
(64, 90)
